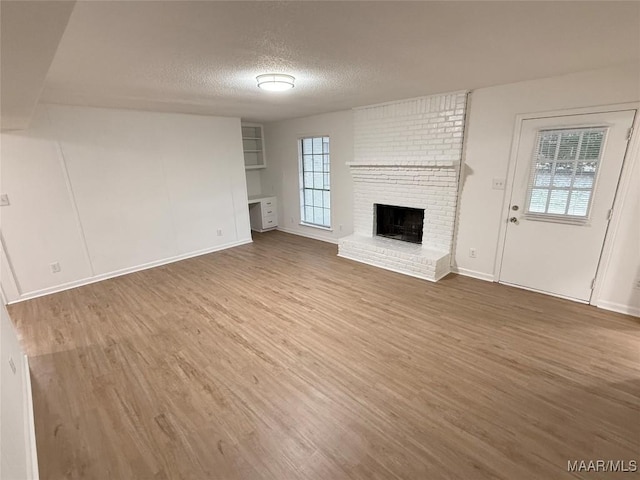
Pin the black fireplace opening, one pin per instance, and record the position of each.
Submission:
(399, 223)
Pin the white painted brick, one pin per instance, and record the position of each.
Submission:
(407, 153)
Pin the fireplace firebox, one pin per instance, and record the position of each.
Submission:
(399, 223)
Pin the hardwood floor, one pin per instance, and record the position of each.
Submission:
(279, 360)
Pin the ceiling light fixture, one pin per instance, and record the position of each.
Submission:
(275, 82)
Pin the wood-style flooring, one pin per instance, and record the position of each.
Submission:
(279, 360)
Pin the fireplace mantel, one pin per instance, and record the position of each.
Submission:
(390, 163)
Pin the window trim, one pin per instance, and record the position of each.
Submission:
(313, 225)
(303, 222)
(583, 220)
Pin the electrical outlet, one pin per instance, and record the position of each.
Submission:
(55, 267)
(340, 227)
(4, 200)
(12, 365)
(472, 252)
(291, 219)
(498, 183)
(637, 285)
(219, 232)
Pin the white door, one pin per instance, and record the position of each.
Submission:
(565, 180)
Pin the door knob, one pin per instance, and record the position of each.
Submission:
(513, 220)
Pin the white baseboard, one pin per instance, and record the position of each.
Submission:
(29, 425)
(487, 277)
(619, 307)
(308, 235)
(125, 271)
(612, 306)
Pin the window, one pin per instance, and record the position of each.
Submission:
(564, 171)
(315, 192)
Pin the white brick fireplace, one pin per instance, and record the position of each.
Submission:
(407, 154)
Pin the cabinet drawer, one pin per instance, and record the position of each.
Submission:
(269, 221)
(268, 211)
(267, 204)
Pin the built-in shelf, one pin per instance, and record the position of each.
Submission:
(253, 146)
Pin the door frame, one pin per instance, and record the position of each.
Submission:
(631, 156)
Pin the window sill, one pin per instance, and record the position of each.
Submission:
(319, 227)
(565, 219)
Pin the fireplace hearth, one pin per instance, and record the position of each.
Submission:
(399, 223)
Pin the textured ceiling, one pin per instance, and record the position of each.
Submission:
(202, 57)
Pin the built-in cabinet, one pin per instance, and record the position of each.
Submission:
(253, 146)
(263, 213)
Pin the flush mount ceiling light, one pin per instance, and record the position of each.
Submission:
(275, 82)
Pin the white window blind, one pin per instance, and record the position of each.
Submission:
(563, 173)
(315, 189)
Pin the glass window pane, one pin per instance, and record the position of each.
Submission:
(591, 145)
(563, 174)
(327, 217)
(558, 201)
(579, 203)
(568, 146)
(543, 174)
(308, 197)
(308, 163)
(326, 199)
(566, 162)
(538, 202)
(308, 180)
(317, 163)
(307, 145)
(315, 180)
(548, 145)
(585, 174)
(318, 215)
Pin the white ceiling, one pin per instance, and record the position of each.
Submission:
(202, 57)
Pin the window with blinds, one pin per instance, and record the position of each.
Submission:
(563, 174)
(315, 190)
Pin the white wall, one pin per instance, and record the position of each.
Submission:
(491, 119)
(17, 442)
(281, 175)
(105, 191)
(254, 182)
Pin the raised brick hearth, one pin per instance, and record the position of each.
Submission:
(407, 154)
